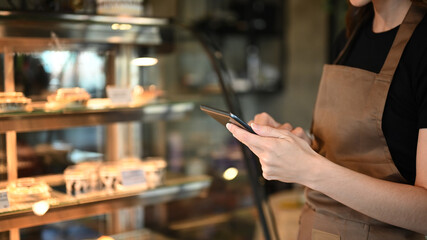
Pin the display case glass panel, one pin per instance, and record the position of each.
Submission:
(110, 92)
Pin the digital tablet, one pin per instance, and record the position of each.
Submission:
(224, 117)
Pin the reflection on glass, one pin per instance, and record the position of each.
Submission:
(40, 73)
(51, 152)
(145, 61)
(84, 69)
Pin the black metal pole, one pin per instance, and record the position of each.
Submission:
(250, 159)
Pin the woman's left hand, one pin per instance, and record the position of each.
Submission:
(283, 155)
(265, 119)
(288, 158)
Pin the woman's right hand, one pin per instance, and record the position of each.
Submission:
(267, 120)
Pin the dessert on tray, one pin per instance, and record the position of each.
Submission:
(27, 190)
(67, 98)
(141, 96)
(14, 102)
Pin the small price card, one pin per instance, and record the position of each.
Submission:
(119, 95)
(133, 177)
(4, 201)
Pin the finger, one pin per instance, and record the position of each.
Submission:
(265, 119)
(267, 131)
(299, 132)
(247, 138)
(286, 126)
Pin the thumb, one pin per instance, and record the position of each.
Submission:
(267, 131)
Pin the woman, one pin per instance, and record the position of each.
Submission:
(366, 167)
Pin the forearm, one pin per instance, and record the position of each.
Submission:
(288, 158)
(397, 204)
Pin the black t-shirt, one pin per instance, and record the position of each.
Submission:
(405, 111)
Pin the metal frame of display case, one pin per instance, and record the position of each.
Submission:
(82, 18)
(46, 120)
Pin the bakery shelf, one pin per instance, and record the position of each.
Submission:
(145, 21)
(42, 120)
(72, 31)
(52, 180)
(142, 234)
(64, 207)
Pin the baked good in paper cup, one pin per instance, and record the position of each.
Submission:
(67, 98)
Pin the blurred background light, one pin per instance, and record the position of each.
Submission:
(230, 173)
(145, 61)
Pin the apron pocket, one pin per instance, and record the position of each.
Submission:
(320, 235)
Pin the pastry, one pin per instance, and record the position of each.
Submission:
(27, 190)
(14, 102)
(154, 168)
(67, 98)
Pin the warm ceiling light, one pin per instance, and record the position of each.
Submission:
(145, 61)
(123, 27)
(230, 173)
(115, 26)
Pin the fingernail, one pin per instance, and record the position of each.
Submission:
(228, 125)
(253, 125)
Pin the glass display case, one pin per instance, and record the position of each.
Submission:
(101, 133)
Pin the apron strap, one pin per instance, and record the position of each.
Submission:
(412, 18)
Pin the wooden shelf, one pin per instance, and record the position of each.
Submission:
(42, 120)
(139, 234)
(64, 207)
(72, 31)
(85, 18)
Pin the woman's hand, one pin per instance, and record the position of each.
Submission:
(267, 120)
(283, 155)
(286, 157)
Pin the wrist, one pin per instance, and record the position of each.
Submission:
(319, 172)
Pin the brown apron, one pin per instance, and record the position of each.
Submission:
(347, 129)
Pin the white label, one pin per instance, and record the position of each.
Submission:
(133, 177)
(119, 95)
(121, 7)
(4, 201)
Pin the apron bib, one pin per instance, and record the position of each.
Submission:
(347, 128)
